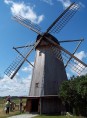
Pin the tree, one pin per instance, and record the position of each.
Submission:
(74, 92)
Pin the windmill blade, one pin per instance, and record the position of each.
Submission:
(16, 65)
(80, 41)
(68, 41)
(22, 56)
(63, 55)
(73, 62)
(27, 23)
(23, 46)
(63, 19)
(65, 41)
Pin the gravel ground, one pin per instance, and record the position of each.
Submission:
(24, 116)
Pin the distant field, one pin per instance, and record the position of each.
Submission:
(15, 112)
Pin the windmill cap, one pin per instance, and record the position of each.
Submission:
(48, 36)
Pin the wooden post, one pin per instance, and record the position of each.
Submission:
(40, 106)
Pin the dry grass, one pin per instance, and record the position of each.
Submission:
(4, 115)
(15, 112)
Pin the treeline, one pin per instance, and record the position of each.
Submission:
(73, 93)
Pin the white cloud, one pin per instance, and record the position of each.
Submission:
(14, 87)
(48, 1)
(8, 1)
(18, 86)
(65, 3)
(84, 72)
(81, 55)
(28, 68)
(24, 10)
(68, 75)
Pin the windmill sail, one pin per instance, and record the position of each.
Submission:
(63, 19)
(80, 41)
(19, 61)
(23, 56)
(15, 64)
(73, 62)
(27, 23)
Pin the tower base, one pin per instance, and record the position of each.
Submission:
(44, 105)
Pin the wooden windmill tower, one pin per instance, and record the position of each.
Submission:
(50, 63)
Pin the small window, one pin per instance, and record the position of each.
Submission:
(37, 85)
(39, 53)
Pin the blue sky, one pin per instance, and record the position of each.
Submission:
(43, 13)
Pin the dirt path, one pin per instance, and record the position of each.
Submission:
(24, 116)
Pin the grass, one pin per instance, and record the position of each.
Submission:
(3, 115)
(44, 116)
(50, 116)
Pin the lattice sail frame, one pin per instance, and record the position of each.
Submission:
(63, 19)
(19, 60)
(56, 26)
(16, 65)
(75, 64)
(27, 23)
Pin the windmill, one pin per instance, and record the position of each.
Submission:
(50, 63)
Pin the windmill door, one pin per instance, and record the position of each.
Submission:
(34, 105)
